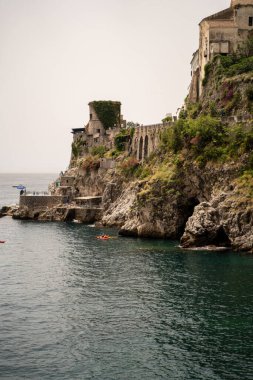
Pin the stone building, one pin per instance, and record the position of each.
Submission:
(97, 131)
(221, 33)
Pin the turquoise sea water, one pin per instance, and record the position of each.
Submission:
(73, 307)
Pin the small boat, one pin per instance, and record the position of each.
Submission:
(2, 241)
(103, 237)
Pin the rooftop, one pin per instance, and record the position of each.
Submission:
(77, 130)
(226, 14)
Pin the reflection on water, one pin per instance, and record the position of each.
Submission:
(74, 307)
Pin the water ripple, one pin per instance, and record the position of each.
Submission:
(72, 307)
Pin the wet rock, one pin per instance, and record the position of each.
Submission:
(8, 210)
(22, 213)
(226, 220)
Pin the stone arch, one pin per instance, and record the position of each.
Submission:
(140, 148)
(145, 154)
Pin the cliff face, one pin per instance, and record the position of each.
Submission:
(207, 206)
(197, 186)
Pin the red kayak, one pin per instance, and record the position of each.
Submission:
(2, 241)
(103, 237)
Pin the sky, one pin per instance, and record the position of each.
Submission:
(58, 55)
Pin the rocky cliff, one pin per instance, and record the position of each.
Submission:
(197, 186)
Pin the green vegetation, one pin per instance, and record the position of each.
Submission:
(108, 113)
(132, 125)
(89, 163)
(245, 184)
(208, 70)
(167, 119)
(244, 65)
(99, 150)
(77, 147)
(122, 138)
(207, 139)
(231, 65)
(128, 166)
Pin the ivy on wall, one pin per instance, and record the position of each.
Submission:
(108, 112)
(122, 138)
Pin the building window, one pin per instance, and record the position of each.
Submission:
(90, 116)
(98, 130)
(250, 21)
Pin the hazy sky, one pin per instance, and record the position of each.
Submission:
(57, 55)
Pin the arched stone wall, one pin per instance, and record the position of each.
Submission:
(146, 139)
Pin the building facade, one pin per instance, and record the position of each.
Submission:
(95, 133)
(221, 33)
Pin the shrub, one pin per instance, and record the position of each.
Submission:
(142, 172)
(90, 163)
(128, 166)
(77, 148)
(245, 65)
(213, 109)
(239, 140)
(99, 150)
(167, 119)
(183, 114)
(227, 60)
(122, 138)
(172, 137)
(193, 110)
(207, 129)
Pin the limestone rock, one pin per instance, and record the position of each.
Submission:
(23, 213)
(119, 210)
(226, 220)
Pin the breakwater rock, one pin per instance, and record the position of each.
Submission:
(8, 210)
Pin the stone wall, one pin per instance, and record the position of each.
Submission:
(40, 201)
(107, 163)
(67, 181)
(89, 202)
(88, 215)
(146, 139)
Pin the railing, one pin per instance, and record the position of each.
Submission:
(36, 193)
(160, 125)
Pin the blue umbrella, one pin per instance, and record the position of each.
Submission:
(20, 187)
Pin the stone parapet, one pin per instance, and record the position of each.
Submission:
(146, 139)
(40, 201)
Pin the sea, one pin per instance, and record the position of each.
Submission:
(74, 307)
